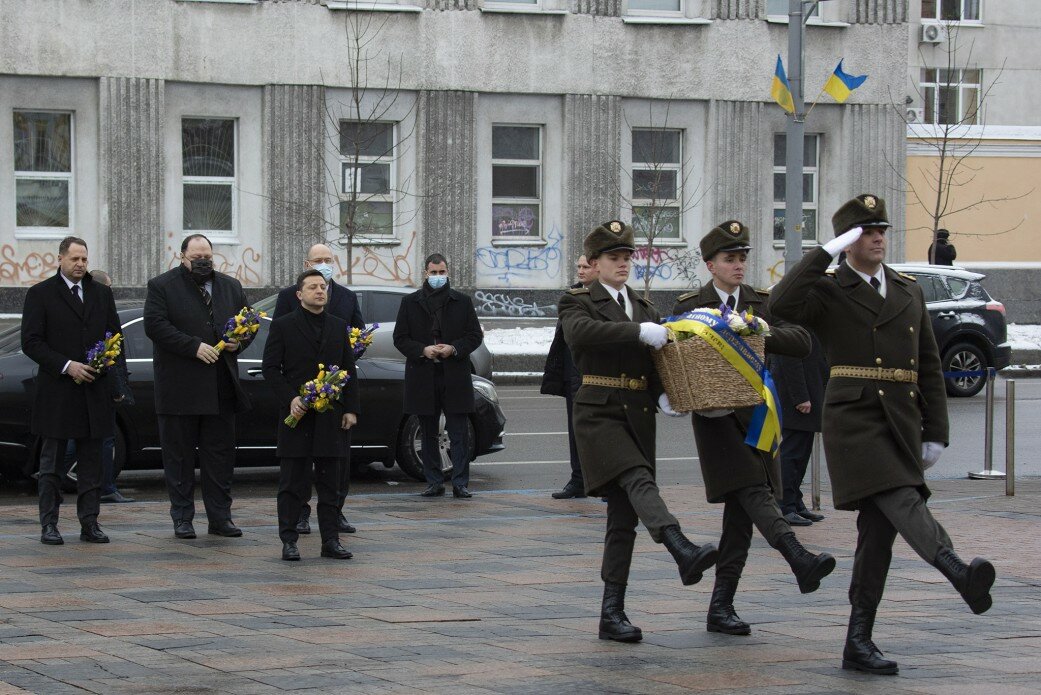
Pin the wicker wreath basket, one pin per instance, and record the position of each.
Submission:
(696, 377)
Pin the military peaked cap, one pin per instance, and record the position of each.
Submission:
(609, 236)
(728, 236)
(865, 210)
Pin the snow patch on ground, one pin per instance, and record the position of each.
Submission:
(1024, 336)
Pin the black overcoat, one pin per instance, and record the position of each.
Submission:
(58, 327)
(560, 376)
(799, 381)
(291, 358)
(460, 329)
(727, 463)
(343, 303)
(177, 322)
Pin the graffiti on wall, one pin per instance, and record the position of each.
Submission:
(521, 264)
(389, 264)
(504, 304)
(668, 263)
(27, 270)
(776, 271)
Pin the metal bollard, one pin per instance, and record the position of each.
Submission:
(988, 472)
(1010, 438)
(815, 472)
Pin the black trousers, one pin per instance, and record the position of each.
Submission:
(214, 437)
(631, 498)
(901, 510)
(455, 424)
(796, 448)
(294, 488)
(343, 484)
(576, 468)
(88, 479)
(742, 509)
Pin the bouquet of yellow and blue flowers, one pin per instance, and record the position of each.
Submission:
(103, 355)
(241, 326)
(319, 393)
(743, 323)
(360, 339)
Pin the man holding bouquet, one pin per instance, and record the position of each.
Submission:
(745, 479)
(300, 345)
(64, 317)
(610, 331)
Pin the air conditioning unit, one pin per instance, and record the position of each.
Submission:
(915, 115)
(932, 33)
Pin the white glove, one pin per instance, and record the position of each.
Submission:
(931, 453)
(654, 335)
(666, 407)
(843, 241)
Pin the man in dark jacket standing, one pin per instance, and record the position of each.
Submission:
(197, 390)
(436, 330)
(64, 317)
(299, 344)
(561, 377)
(942, 251)
(885, 412)
(746, 480)
(343, 303)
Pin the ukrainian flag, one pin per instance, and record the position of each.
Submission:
(840, 85)
(780, 90)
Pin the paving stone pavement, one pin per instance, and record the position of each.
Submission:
(497, 594)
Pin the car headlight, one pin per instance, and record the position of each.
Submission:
(486, 388)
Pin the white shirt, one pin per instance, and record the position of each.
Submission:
(628, 300)
(723, 295)
(70, 285)
(881, 275)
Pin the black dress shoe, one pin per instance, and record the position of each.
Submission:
(795, 519)
(50, 535)
(344, 526)
(225, 528)
(303, 527)
(116, 497)
(290, 551)
(184, 529)
(92, 533)
(812, 516)
(570, 491)
(461, 492)
(433, 491)
(335, 550)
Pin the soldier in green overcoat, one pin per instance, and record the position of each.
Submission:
(611, 331)
(746, 480)
(885, 412)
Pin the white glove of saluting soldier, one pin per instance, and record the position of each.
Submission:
(931, 453)
(843, 241)
(666, 407)
(654, 335)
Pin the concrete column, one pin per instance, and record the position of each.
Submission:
(875, 139)
(738, 9)
(879, 11)
(448, 182)
(131, 123)
(600, 8)
(294, 177)
(739, 144)
(592, 171)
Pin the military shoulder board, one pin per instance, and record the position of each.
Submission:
(763, 291)
(687, 295)
(912, 278)
(579, 290)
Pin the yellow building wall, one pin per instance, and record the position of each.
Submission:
(980, 234)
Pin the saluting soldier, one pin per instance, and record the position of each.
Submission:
(746, 480)
(610, 330)
(885, 412)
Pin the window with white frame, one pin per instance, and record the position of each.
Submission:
(210, 193)
(951, 10)
(778, 8)
(951, 96)
(662, 8)
(657, 178)
(810, 185)
(516, 182)
(43, 172)
(367, 175)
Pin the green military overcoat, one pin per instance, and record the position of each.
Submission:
(873, 430)
(614, 428)
(727, 463)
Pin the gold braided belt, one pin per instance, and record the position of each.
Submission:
(615, 382)
(908, 376)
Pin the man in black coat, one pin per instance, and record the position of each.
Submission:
(63, 318)
(300, 343)
(197, 390)
(436, 331)
(561, 377)
(343, 303)
(942, 251)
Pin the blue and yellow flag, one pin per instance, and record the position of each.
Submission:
(780, 90)
(840, 85)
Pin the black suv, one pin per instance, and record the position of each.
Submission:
(969, 325)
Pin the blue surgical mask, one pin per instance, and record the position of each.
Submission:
(325, 269)
(436, 282)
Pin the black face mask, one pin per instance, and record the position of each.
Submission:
(202, 270)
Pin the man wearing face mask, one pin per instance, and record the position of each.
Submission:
(436, 331)
(342, 303)
(197, 390)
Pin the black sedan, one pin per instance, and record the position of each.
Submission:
(383, 432)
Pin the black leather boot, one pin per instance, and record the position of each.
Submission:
(614, 624)
(860, 653)
(691, 559)
(973, 581)
(809, 569)
(721, 614)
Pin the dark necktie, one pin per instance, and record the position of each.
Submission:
(207, 300)
(76, 292)
(876, 284)
(621, 301)
(731, 302)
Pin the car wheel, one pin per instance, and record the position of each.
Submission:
(964, 357)
(410, 447)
